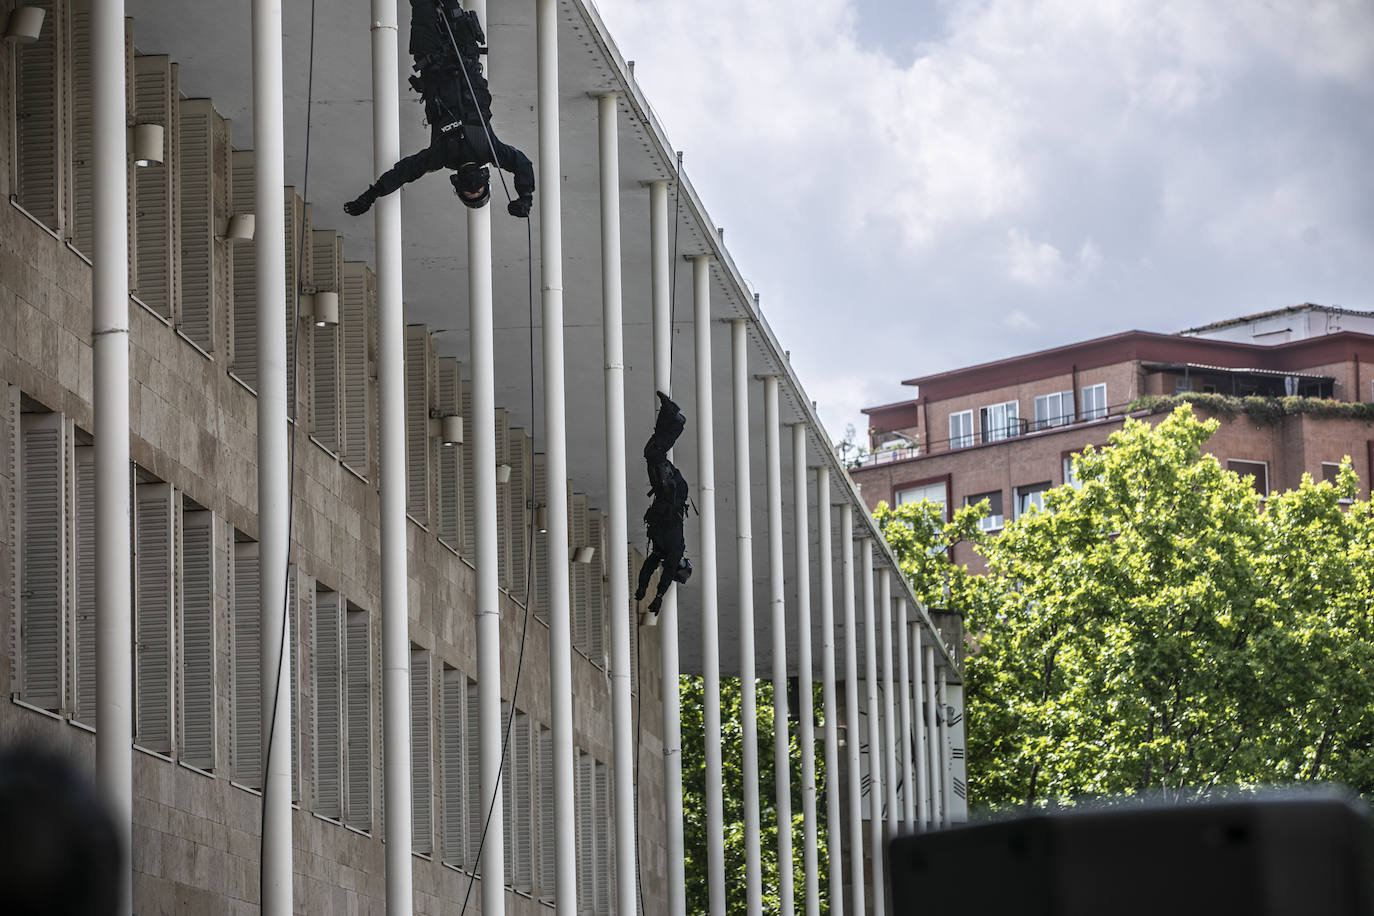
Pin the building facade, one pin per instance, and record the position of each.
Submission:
(1006, 431)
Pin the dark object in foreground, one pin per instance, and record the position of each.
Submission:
(666, 513)
(1290, 854)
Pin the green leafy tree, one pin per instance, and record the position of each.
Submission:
(1158, 630)
(694, 799)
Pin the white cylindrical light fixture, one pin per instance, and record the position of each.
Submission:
(147, 144)
(240, 228)
(451, 430)
(326, 310)
(503, 473)
(584, 555)
(541, 519)
(25, 24)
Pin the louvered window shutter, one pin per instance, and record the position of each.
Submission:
(636, 559)
(518, 455)
(153, 617)
(358, 688)
(421, 754)
(298, 254)
(448, 461)
(581, 574)
(469, 478)
(477, 805)
(81, 227)
(548, 828)
(37, 128)
(328, 689)
(198, 554)
(43, 559)
(507, 799)
(605, 865)
(83, 564)
(244, 361)
(504, 534)
(452, 766)
(352, 332)
(300, 601)
(524, 805)
(198, 221)
(417, 422)
(586, 836)
(154, 90)
(596, 592)
(541, 542)
(247, 671)
(326, 274)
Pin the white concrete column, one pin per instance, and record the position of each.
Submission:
(273, 460)
(876, 796)
(660, 281)
(904, 696)
(890, 756)
(744, 558)
(922, 753)
(782, 761)
(853, 738)
(617, 537)
(834, 823)
(391, 464)
(806, 715)
(556, 459)
(946, 777)
(706, 572)
(110, 341)
(932, 734)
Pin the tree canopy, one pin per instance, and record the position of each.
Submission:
(1159, 628)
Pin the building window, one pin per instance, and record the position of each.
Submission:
(993, 520)
(455, 687)
(936, 493)
(999, 421)
(247, 666)
(961, 429)
(357, 682)
(1094, 401)
(154, 503)
(1054, 410)
(1259, 470)
(201, 539)
(44, 560)
(1071, 478)
(1030, 496)
(1331, 471)
(421, 757)
(328, 711)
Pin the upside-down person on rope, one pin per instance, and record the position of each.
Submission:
(446, 42)
(666, 513)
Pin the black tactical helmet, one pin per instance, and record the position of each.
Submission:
(471, 184)
(683, 571)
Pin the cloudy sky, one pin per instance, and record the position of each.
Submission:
(966, 180)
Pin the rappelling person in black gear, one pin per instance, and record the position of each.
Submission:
(447, 42)
(666, 513)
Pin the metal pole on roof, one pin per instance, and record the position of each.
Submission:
(806, 714)
(851, 691)
(273, 458)
(875, 737)
(706, 571)
(556, 462)
(922, 754)
(617, 540)
(744, 558)
(833, 820)
(932, 748)
(904, 695)
(890, 757)
(668, 636)
(110, 344)
(782, 759)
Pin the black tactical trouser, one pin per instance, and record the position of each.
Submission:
(668, 546)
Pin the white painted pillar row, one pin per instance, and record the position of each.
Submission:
(876, 796)
(904, 696)
(617, 536)
(829, 705)
(806, 714)
(946, 776)
(890, 753)
(922, 750)
(782, 761)
(744, 556)
(853, 739)
(660, 255)
(114, 766)
(706, 574)
(556, 462)
(273, 458)
(932, 734)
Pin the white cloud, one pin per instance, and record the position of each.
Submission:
(1032, 263)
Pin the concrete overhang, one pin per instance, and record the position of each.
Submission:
(213, 48)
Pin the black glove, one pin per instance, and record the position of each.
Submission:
(520, 207)
(360, 204)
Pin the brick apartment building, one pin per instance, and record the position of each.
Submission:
(1005, 430)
